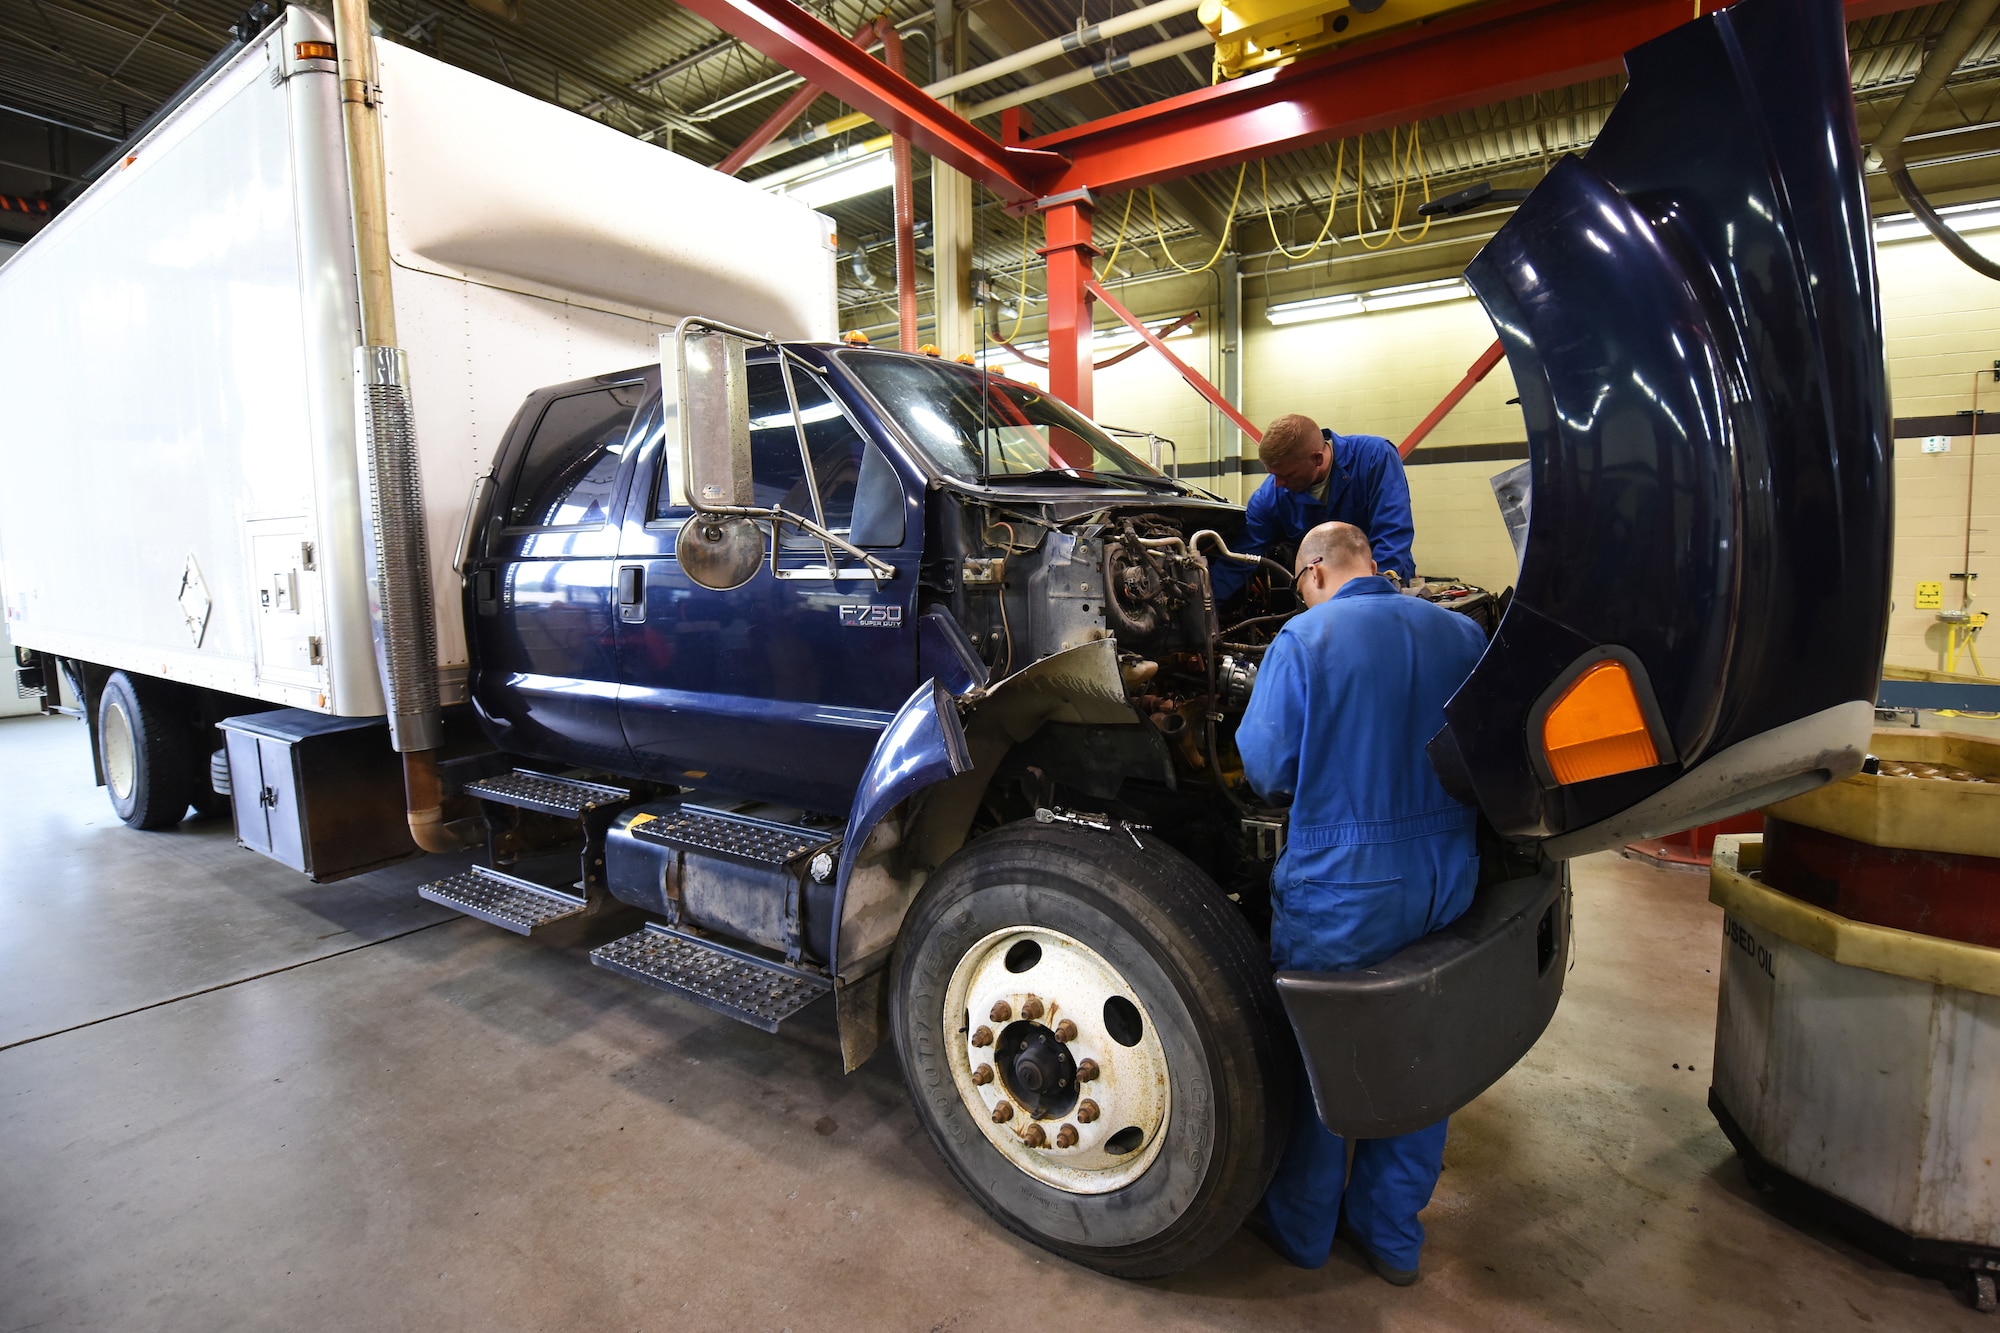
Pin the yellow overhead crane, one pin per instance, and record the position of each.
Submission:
(1262, 34)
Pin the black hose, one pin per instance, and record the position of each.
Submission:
(1899, 174)
(1208, 714)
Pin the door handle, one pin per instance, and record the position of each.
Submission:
(485, 592)
(632, 594)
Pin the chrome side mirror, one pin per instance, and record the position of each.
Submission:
(721, 552)
(715, 419)
(703, 369)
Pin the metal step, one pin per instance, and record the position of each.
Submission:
(747, 988)
(503, 901)
(568, 797)
(756, 841)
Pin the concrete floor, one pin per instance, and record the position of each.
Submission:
(229, 1099)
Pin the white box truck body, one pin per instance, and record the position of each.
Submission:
(177, 353)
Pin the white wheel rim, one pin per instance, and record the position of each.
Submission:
(1068, 981)
(121, 769)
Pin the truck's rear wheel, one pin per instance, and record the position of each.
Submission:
(144, 749)
(1090, 1036)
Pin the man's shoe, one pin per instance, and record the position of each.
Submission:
(1395, 1277)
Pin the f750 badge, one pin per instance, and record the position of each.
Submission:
(872, 617)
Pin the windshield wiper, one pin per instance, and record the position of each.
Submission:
(1115, 480)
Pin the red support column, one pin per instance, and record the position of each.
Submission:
(1069, 254)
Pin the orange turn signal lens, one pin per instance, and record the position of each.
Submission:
(1597, 727)
(313, 51)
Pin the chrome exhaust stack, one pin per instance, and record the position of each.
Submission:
(401, 607)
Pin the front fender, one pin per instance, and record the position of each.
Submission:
(926, 746)
(1396, 1047)
(923, 744)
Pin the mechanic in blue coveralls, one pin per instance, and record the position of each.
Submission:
(1319, 477)
(1377, 856)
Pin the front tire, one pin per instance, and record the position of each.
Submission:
(1071, 947)
(145, 752)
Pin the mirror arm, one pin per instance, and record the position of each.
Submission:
(878, 568)
(805, 459)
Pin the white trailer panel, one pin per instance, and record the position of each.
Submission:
(176, 352)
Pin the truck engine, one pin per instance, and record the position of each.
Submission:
(1027, 582)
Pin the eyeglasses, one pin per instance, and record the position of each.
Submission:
(1318, 559)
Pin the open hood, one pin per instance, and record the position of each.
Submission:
(1691, 316)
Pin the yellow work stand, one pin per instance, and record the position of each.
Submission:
(1962, 631)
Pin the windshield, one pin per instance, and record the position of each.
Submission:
(1020, 430)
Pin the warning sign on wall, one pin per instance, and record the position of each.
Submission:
(1930, 596)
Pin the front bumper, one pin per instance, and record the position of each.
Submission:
(1399, 1046)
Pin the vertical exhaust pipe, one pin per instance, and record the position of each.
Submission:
(402, 610)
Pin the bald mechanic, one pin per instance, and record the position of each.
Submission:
(1319, 477)
(1378, 856)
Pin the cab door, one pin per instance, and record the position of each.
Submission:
(1691, 316)
(778, 689)
(540, 593)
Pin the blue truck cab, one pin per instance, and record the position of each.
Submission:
(806, 673)
(872, 675)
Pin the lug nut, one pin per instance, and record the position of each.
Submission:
(1035, 1137)
(1002, 1011)
(1065, 1031)
(1066, 1137)
(1086, 1110)
(1003, 1112)
(1086, 1070)
(1031, 1008)
(983, 1037)
(983, 1075)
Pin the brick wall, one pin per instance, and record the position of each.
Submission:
(1381, 373)
(1943, 325)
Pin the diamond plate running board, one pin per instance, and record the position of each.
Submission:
(744, 987)
(570, 798)
(503, 901)
(757, 842)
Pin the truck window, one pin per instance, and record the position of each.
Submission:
(1016, 430)
(567, 477)
(776, 472)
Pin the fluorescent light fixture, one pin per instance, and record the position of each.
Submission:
(1399, 297)
(1961, 217)
(1416, 293)
(1321, 307)
(862, 176)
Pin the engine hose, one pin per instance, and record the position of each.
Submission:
(1899, 174)
(1209, 716)
(1238, 557)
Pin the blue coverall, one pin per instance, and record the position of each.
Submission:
(1377, 857)
(1366, 487)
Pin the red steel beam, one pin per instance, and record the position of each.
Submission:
(1195, 379)
(1481, 368)
(1069, 254)
(1464, 60)
(798, 40)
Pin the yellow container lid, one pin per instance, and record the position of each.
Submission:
(1898, 953)
(1921, 814)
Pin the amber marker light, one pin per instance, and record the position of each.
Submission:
(1597, 727)
(313, 51)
